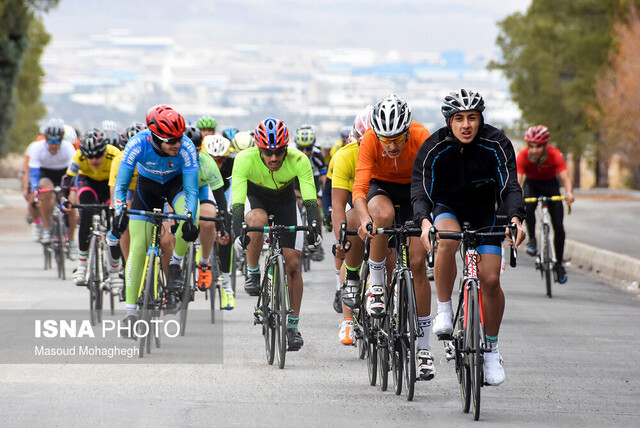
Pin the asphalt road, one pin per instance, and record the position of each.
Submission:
(570, 361)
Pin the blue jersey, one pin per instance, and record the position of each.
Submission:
(139, 153)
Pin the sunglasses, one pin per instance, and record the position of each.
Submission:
(278, 152)
(55, 142)
(387, 140)
(307, 149)
(95, 156)
(169, 141)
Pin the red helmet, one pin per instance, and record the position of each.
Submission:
(537, 134)
(165, 122)
(271, 134)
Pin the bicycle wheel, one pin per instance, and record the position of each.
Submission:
(189, 264)
(546, 260)
(383, 366)
(268, 321)
(361, 314)
(409, 334)
(359, 329)
(146, 311)
(93, 280)
(281, 307)
(475, 351)
(396, 328)
(372, 359)
(61, 251)
(235, 263)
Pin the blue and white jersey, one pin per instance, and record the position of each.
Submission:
(140, 153)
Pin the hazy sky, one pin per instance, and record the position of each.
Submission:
(404, 25)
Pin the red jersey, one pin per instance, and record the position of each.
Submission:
(552, 166)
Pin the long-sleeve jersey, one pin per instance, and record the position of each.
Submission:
(250, 170)
(161, 169)
(473, 175)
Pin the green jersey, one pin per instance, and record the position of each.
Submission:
(208, 172)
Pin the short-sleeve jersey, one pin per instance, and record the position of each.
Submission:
(80, 165)
(552, 166)
(344, 167)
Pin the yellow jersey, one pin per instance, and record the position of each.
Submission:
(114, 173)
(80, 165)
(344, 163)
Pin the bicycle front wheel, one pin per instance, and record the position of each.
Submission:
(188, 263)
(268, 321)
(281, 310)
(93, 280)
(146, 311)
(546, 260)
(475, 351)
(409, 334)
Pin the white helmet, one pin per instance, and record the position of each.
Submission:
(217, 145)
(242, 140)
(70, 134)
(391, 117)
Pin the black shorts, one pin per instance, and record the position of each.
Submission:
(399, 194)
(477, 220)
(99, 190)
(284, 211)
(150, 194)
(55, 175)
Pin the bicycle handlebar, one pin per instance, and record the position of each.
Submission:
(543, 199)
(277, 228)
(158, 215)
(92, 206)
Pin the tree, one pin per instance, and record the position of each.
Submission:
(552, 55)
(19, 31)
(618, 95)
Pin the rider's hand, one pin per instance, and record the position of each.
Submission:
(242, 242)
(363, 231)
(314, 239)
(190, 231)
(65, 206)
(339, 252)
(120, 222)
(112, 239)
(425, 226)
(569, 198)
(521, 234)
(223, 239)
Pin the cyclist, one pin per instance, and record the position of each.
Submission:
(264, 176)
(306, 143)
(90, 168)
(454, 180)
(382, 182)
(539, 165)
(212, 194)
(342, 171)
(230, 132)
(167, 162)
(110, 133)
(343, 141)
(207, 126)
(48, 160)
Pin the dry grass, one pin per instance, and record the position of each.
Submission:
(10, 166)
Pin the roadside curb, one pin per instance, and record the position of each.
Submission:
(619, 270)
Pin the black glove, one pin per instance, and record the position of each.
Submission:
(327, 222)
(120, 223)
(190, 231)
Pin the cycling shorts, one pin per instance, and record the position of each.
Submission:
(150, 194)
(399, 194)
(284, 211)
(99, 189)
(477, 219)
(55, 175)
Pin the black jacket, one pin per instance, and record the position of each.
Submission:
(479, 175)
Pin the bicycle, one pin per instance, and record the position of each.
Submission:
(97, 276)
(467, 344)
(58, 247)
(546, 256)
(273, 307)
(189, 269)
(151, 294)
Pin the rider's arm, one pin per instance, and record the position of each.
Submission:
(239, 190)
(72, 172)
(339, 198)
(304, 172)
(568, 186)
(511, 192)
(521, 178)
(421, 180)
(125, 172)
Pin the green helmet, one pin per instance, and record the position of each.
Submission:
(207, 122)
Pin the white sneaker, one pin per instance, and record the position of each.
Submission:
(73, 250)
(80, 275)
(493, 370)
(36, 231)
(346, 332)
(426, 369)
(46, 237)
(375, 301)
(115, 282)
(443, 324)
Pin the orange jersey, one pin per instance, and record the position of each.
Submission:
(374, 163)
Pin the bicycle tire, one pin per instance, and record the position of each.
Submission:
(462, 357)
(146, 310)
(61, 251)
(372, 361)
(409, 335)
(397, 325)
(282, 310)
(189, 263)
(475, 352)
(234, 266)
(268, 327)
(360, 333)
(93, 281)
(362, 315)
(546, 257)
(383, 367)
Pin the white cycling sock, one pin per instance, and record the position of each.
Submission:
(445, 307)
(423, 342)
(226, 283)
(376, 272)
(175, 259)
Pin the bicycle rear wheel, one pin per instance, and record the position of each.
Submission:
(409, 335)
(188, 263)
(281, 310)
(475, 351)
(372, 359)
(93, 280)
